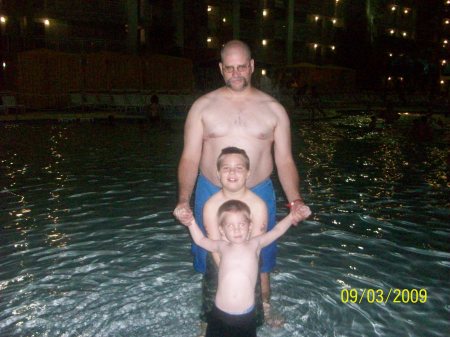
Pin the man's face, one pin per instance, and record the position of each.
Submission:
(236, 68)
(233, 172)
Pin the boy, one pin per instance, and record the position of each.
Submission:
(233, 170)
(234, 305)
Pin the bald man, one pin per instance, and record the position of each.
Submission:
(242, 116)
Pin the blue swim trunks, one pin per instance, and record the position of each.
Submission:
(204, 190)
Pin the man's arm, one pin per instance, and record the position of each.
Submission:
(287, 171)
(190, 159)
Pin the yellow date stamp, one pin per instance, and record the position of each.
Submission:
(393, 295)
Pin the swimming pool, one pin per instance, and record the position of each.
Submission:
(89, 246)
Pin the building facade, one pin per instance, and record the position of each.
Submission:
(374, 36)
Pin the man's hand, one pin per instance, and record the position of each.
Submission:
(183, 213)
(299, 211)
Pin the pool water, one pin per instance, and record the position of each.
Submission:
(89, 247)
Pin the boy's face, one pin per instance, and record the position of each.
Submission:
(233, 172)
(235, 227)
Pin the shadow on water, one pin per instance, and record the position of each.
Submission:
(89, 246)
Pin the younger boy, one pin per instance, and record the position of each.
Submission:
(234, 305)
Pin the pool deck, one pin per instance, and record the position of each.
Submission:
(298, 112)
(43, 116)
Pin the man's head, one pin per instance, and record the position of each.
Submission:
(233, 167)
(234, 220)
(236, 65)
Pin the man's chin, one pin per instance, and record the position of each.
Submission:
(237, 86)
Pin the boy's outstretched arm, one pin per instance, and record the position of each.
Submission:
(281, 227)
(200, 239)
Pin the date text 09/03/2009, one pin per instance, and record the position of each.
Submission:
(394, 295)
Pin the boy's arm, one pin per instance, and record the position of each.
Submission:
(291, 219)
(200, 239)
(211, 225)
(280, 228)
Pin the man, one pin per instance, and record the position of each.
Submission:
(242, 116)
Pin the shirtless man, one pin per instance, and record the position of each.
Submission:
(242, 116)
(234, 306)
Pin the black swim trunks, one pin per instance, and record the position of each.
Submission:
(222, 324)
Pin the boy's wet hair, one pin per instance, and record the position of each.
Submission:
(233, 150)
(233, 206)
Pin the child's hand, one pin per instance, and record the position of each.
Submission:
(184, 215)
(299, 212)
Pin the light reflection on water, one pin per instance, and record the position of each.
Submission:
(89, 246)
